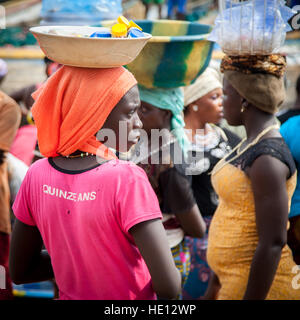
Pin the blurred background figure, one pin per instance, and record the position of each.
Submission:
(23, 95)
(26, 139)
(10, 117)
(203, 102)
(295, 110)
(161, 109)
(179, 6)
(290, 132)
(148, 3)
(16, 169)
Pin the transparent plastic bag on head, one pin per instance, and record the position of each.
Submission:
(79, 12)
(251, 27)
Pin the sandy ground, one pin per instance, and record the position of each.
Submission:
(22, 73)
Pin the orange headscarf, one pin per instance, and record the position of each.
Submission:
(72, 106)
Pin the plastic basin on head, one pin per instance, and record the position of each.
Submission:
(70, 45)
(175, 56)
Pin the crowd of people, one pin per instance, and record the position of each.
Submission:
(199, 213)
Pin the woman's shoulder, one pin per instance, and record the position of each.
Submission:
(39, 165)
(271, 143)
(125, 169)
(275, 147)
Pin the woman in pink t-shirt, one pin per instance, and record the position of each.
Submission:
(97, 216)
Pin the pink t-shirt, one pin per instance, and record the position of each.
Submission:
(84, 219)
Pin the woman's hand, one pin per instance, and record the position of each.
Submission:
(192, 222)
(213, 287)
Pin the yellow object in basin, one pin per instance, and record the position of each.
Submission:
(72, 45)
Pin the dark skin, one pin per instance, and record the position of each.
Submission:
(297, 102)
(210, 110)
(155, 118)
(28, 263)
(268, 178)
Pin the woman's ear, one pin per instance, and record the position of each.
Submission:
(244, 104)
(167, 114)
(166, 118)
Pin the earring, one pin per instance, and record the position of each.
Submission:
(244, 106)
(195, 107)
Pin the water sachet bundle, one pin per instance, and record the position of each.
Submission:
(251, 27)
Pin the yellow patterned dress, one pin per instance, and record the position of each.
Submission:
(233, 238)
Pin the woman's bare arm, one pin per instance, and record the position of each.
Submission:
(268, 177)
(27, 261)
(150, 237)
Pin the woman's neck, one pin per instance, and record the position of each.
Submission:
(297, 104)
(157, 143)
(256, 121)
(193, 123)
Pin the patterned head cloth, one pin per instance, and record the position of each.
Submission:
(172, 100)
(207, 82)
(258, 79)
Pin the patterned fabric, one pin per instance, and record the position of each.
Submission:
(197, 281)
(167, 179)
(274, 64)
(233, 238)
(207, 152)
(182, 258)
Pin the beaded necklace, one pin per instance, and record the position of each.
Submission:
(82, 155)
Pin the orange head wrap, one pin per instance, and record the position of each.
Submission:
(72, 106)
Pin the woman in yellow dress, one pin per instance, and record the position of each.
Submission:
(247, 248)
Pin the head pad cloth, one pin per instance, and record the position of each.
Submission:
(208, 81)
(172, 100)
(72, 106)
(258, 79)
